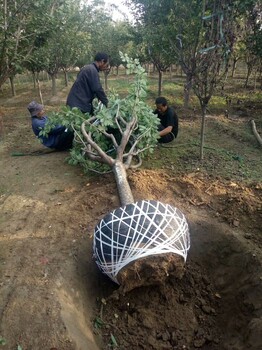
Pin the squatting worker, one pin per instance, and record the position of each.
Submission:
(59, 137)
(168, 127)
(88, 86)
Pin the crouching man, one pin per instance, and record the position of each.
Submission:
(59, 138)
(168, 127)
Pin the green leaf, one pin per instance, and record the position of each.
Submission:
(113, 340)
(2, 341)
(98, 323)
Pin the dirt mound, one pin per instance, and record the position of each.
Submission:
(237, 204)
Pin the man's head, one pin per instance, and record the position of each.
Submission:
(161, 104)
(35, 109)
(102, 61)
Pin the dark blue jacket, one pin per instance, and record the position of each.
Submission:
(51, 140)
(86, 87)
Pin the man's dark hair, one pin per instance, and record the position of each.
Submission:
(161, 101)
(101, 56)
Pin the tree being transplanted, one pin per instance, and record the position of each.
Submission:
(140, 243)
(114, 136)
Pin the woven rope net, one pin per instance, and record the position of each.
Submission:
(138, 230)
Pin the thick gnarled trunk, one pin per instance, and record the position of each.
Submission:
(124, 191)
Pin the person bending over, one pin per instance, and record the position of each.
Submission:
(168, 127)
(87, 85)
(59, 138)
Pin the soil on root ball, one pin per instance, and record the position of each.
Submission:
(150, 270)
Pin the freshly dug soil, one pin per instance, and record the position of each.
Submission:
(216, 305)
(150, 271)
(52, 295)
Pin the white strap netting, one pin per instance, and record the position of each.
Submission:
(138, 230)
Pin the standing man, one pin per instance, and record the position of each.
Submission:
(168, 127)
(87, 85)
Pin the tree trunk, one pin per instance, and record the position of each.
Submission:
(66, 78)
(260, 79)
(160, 76)
(170, 71)
(53, 84)
(255, 80)
(12, 85)
(249, 70)
(34, 80)
(234, 66)
(39, 91)
(203, 108)
(106, 80)
(124, 191)
(1, 127)
(187, 90)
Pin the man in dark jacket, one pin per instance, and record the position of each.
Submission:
(168, 127)
(87, 85)
(58, 138)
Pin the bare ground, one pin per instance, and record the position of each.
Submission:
(53, 296)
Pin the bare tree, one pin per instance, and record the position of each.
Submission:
(213, 57)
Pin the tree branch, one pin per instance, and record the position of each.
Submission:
(122, 120)
(102, 156)
(131, 151)
(125, 137)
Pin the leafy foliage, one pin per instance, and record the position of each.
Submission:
(2, 340)
(21, 28)
(124, 130)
